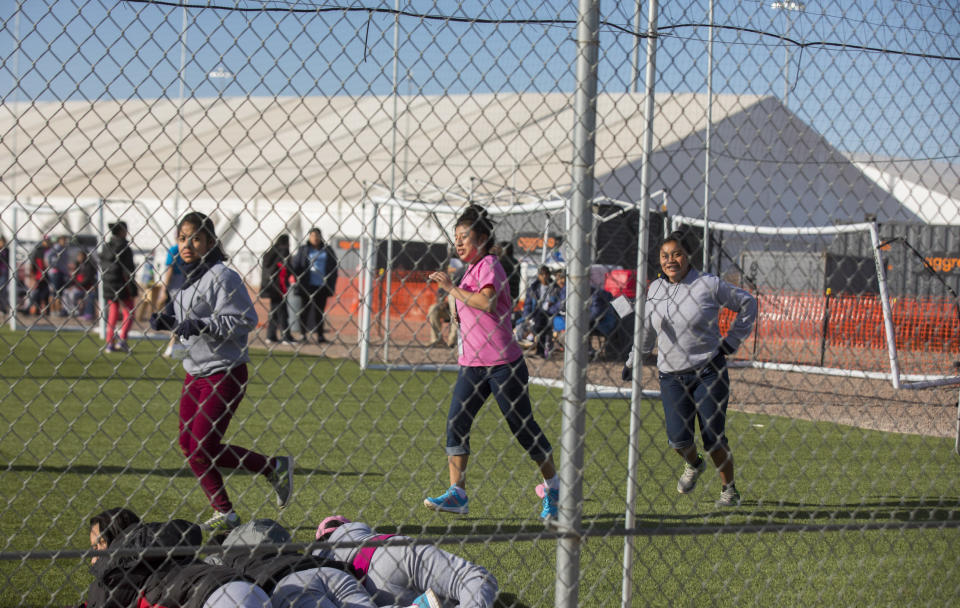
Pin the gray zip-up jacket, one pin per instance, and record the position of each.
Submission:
(220, 300)
(399, 574)
(684, 319)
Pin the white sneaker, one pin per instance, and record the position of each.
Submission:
(729, 497)
(221, 522)
(688, 480)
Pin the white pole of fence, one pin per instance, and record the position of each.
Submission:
(368, 271)
(393, 184)
(567, 587)
(706, 148)
(633, 450)
(101, 300)
(885, 305)
(12, 263)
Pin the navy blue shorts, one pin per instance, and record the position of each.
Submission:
(702, 395)
(508, 385)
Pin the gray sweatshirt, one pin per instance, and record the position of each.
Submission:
(220, 300)
(683, 319)
(399, 574)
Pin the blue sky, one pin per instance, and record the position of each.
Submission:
(861, 102)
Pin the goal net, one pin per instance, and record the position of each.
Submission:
(825, 305)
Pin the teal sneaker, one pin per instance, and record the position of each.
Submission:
(450, 501)
(551, 498)
(429, 599)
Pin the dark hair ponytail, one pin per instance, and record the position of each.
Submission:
(476, 218)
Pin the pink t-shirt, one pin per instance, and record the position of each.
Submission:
(486, 339)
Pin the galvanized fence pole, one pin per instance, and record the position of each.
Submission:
(633, 449)
(578, 294)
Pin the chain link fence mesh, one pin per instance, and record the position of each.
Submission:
(377, 123)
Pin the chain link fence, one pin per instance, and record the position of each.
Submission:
(805, 154)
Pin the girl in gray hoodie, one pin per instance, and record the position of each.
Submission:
(212, 314)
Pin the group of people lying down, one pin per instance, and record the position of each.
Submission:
(154, 565)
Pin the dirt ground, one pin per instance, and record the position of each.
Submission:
(870, 404)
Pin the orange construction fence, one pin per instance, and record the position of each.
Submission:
(411, 296)
(928, 324)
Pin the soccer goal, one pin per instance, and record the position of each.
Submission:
(390, 219)
(865, 326)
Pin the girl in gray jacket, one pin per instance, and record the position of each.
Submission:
(407, 574)
(212, 314)
(682, 318)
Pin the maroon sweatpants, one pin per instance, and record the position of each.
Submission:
(206, 406)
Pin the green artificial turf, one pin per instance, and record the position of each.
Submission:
(81, 431)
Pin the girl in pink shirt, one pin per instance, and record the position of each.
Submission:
(491, 362)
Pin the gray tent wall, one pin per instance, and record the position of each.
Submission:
(768, 168)
(906, 274)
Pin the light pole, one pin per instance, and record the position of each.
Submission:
(222, 74)
(788, 6)
(180, 81)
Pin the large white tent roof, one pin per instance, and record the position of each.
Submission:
(267, 165)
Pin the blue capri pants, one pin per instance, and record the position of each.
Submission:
(508, 385)
(700, 394)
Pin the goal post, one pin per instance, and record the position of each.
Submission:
(898, 379)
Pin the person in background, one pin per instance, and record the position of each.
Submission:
(403, 574)
(536, 303)
(172, 280)
(212, 314)
(315, 271)
(40, 288)
(491, 362)
(119, 287)
(274, 281)
(556, 312)
(603, 318)
(444, 310)
(57, 261)
(510, 267)
(682, 313)
(80, 294)
(150, 288)
(4, 275)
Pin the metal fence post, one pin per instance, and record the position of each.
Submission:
(633, 451)
(578, 294)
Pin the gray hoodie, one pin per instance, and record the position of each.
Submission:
(400, 573)
(221, 301)
(683, 319)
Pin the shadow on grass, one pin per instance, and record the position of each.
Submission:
(509, 600)
(94, 469)
(873, 511)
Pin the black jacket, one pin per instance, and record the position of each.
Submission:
(117, 270)
(186, 585)
(265, 566)
(270, 273)
(300, 266)
(119, 578)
